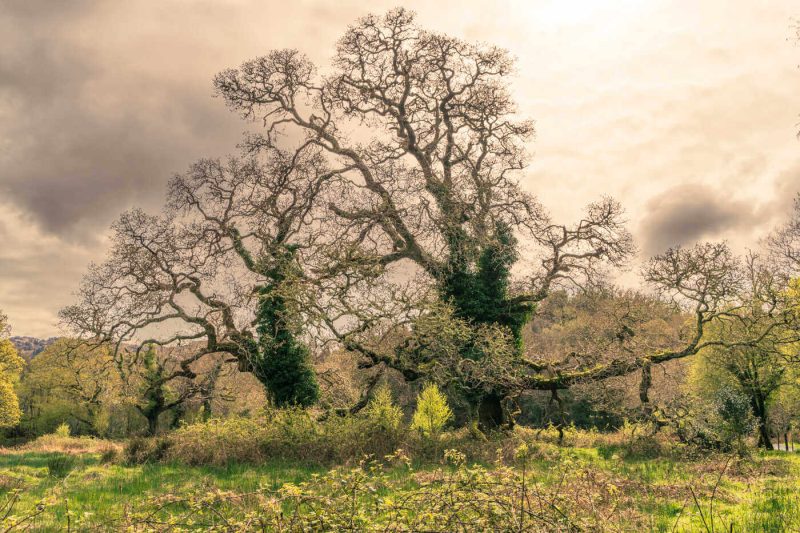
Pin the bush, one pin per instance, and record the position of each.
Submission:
(109, 455)
(291, 434)
(432, 411)
(71, 445)
(723, 423)
(735, 413)
(296, 435)
(219, 441)
(382, 413)
(143, 450)
(62, 430)
(59, 466)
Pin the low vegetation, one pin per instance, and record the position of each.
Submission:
(523, 481)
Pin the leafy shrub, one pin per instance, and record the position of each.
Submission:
(291, 434)
(722, 423)
(59, 466)
(62, 430)
(432, 411)
(296, 435)
(143, 450)
(735, 413)
(382, 412)
(219, 441)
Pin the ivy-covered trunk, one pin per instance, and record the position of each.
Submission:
(153, 393)
(279, 360)
(759, 405)
(477, 284)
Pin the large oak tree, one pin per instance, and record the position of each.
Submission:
(381, 201)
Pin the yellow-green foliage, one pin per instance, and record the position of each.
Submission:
(10, 366)
(63, 430)
(71, 381)
(53, 443)
(432, 412)
(292, 433)
(382, 412)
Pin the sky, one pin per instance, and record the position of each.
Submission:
(685, 111)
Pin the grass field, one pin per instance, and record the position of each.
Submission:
(599, 488)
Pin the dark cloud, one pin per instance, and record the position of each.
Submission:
(85, 132)
(101, 101)
(685, 214)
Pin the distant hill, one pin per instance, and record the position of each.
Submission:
(30, 347)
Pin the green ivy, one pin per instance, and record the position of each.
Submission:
(279, 360)
(478, 287)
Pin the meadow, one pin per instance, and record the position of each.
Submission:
(524, 482)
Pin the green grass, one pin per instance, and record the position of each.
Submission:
(761, 495)
(102, 491)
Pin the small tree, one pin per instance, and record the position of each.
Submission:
(432, 411)
(737, 418)
(382, 412)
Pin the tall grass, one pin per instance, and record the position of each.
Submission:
(532, 484)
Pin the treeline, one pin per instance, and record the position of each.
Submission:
(716, 399)
(84, 387)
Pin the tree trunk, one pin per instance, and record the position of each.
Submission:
(644, 387)
(490, 412)
(648, 411)
(152, 422)
(555, 398)
(760, 412)
(764, 439)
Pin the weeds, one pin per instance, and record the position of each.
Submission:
(367, 498)
(513, 483)
(59, 466)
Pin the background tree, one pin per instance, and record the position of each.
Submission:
(11, 365)
(592, 328)
(220, 266)
(756, 338)
(161, 388)
(70, 382)
(754, 374)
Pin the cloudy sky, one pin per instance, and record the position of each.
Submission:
(686, 111)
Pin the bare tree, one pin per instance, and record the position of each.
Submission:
(432, 182)
(380, 202)
(219, 266)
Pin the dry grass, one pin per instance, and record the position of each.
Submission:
(67, 445)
